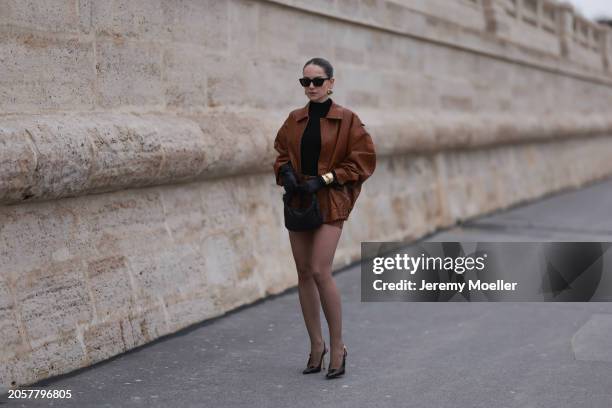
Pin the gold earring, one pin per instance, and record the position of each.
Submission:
(329, 92)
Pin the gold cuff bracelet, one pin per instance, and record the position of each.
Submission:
(328, 178)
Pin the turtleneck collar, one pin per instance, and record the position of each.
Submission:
(319, 108)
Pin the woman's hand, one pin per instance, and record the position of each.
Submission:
(288, 176)
(312, 185)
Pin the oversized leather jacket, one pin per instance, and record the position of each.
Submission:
(346, 148)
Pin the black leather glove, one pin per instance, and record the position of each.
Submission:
(288, 176)
(312, 185)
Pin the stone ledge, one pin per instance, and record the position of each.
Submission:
(451, 34)
(52, 156)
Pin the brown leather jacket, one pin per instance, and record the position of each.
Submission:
(346, 147)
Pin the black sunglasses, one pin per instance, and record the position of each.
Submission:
(316, 81)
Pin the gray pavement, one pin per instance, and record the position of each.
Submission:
(399, 354)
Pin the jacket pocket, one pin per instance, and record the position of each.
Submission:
(341, 199)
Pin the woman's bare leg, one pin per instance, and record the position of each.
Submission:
(324, 245)
(301, 246)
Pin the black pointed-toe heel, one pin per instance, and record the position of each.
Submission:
(337, 372)
(315, 369)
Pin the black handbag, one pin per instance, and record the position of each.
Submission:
(302, 219)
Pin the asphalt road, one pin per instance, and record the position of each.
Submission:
(400, 354)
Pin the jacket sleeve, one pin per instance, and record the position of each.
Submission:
(280, 145)
(360, 162)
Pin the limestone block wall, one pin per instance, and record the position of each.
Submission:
(136, 189)
(551, 27)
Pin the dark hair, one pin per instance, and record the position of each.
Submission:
(323, 63)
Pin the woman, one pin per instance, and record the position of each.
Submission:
(323, 148)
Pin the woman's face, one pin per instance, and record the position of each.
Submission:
(314, 93)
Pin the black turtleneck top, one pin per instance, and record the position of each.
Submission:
(311, 139)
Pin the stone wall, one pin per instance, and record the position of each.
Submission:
(136, 188)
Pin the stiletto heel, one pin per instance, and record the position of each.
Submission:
(315, 369)
(337, 372)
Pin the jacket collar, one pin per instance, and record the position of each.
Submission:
(335, 111)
